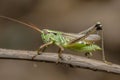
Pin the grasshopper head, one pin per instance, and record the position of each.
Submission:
(98, 26)
(46, 31)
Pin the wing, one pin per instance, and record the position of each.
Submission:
(73, 36)
(93, 37)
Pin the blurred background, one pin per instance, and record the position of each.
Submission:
(62, 15)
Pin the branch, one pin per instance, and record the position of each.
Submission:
(72, 60)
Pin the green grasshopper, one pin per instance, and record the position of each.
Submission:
(81, 42)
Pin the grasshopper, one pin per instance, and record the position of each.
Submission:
(84, 41)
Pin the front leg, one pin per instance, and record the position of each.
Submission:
(42, 48)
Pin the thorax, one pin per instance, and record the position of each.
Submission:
(55, 36)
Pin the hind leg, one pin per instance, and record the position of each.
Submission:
(88, 54)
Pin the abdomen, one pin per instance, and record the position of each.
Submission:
(83, 47)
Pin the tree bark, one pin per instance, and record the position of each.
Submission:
(72, 60)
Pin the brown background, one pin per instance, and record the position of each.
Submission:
(63, 15)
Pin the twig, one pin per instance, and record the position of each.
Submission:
(75, 61)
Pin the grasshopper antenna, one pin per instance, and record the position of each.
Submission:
(29, 25)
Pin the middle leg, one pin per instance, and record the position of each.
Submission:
(61, 49)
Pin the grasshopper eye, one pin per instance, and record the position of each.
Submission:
(45, 31)
(55, 33)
